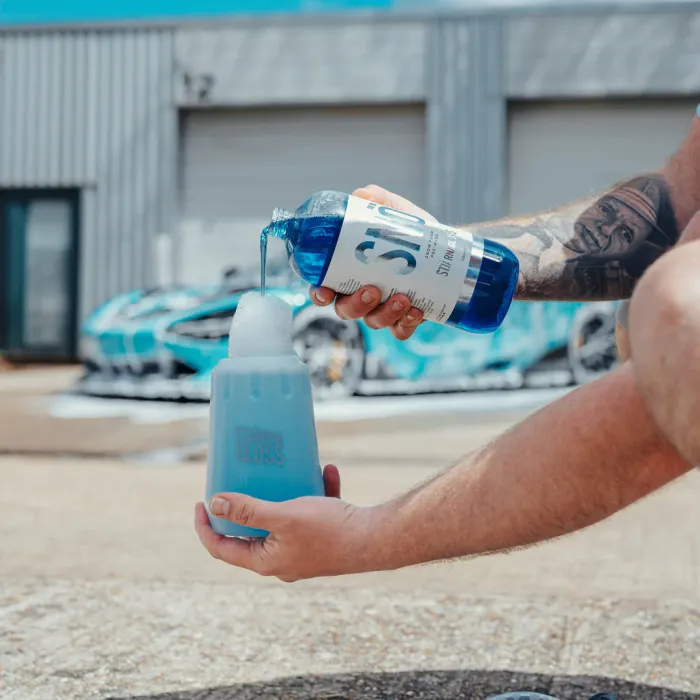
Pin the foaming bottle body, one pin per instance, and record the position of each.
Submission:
(262, 439)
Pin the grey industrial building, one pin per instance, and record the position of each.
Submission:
(130, 154)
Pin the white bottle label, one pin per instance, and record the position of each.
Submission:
(399, 252)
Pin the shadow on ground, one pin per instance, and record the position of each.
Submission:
(424, 685)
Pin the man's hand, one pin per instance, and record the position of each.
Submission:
(309, 537)
(396, 313)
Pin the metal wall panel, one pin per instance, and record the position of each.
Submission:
(604, 54)
(238, 165)
(466, 120)
(317, 63)
(94, 110)
(559, 152)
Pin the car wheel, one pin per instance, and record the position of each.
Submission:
(332, 349)
(592, 352)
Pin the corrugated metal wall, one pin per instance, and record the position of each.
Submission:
(94, 110)
(466, 119)
(604, 54)
(292, 64)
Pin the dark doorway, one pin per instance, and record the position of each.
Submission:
(38, 274)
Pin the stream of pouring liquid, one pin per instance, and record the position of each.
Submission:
(263, 260)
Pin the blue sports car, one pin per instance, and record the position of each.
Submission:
(164, 343)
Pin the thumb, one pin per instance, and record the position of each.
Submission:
(245, 510)
(331, 481)
(379, 195)
(374, 193)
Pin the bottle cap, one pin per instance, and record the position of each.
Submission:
(262, 325)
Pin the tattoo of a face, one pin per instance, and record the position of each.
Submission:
(605, 245)
(621, 235)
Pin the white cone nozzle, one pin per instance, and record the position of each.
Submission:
(262, 325)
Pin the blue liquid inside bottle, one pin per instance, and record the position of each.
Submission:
(311, 235)
(493, 292)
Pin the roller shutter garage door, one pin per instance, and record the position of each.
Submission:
(559, 152)
(238, 165)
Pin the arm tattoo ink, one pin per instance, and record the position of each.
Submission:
(596, 249)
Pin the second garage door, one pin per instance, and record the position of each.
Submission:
(559, 152)
(237, 166)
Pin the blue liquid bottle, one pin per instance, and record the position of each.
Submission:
(262, 439)
(343, 242)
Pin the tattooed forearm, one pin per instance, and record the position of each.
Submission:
(594, 249)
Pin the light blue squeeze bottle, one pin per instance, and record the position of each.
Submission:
(344, 242)
(262, 434)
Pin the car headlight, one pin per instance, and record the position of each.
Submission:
(215, 327)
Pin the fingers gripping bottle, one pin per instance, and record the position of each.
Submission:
(344, 242)
(262, 439)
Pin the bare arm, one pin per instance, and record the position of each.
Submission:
(572, 464)
(594, 249)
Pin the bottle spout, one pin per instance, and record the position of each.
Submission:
(278, 223)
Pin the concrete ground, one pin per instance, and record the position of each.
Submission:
(105, 592)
